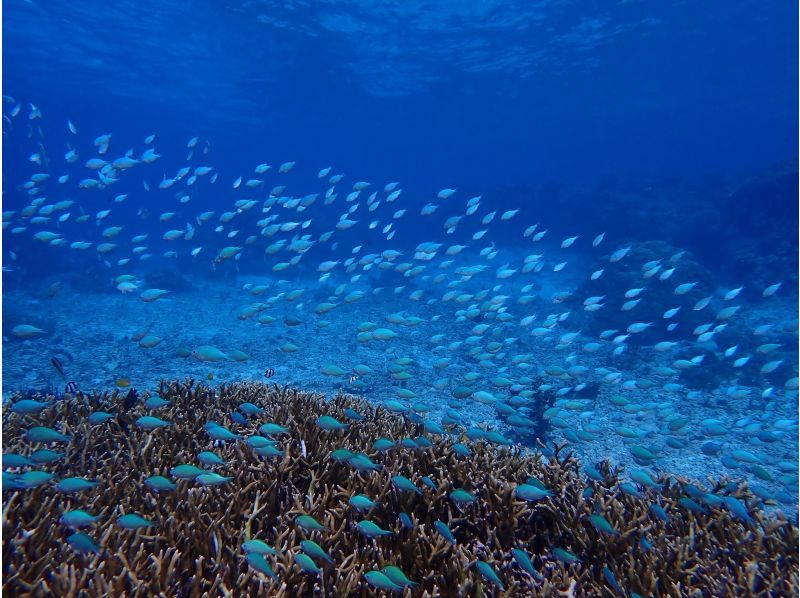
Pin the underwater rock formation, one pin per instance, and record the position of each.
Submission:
(468, 519)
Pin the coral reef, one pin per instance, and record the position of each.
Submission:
(195, 547)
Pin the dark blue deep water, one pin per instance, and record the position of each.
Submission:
(596, 228)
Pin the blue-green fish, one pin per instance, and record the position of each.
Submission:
(362, 503)
(430, 483)
(363, 463)
(658, 511)
(258, 547)
(99, 417)
(46, 456)
(738, 509)
(155, 402)
(489, 574)
(524, 561)
(11, 460)
(462, 497)
(269, 451)
(259, 442)
(403, 483)
(328, 423)
(530, 493)
(187, 472)
(212, 479)
(133, 521)
(462, 449)
(271, 429)
(44, 434)
(353, 414)
(159, 483)
(260, 564)
(565, 556)
(78, 519)
(396, 575)
(209, 458)
(315, 551)
(444, 530)
(382, 444)
(218, 432)
(29, 406)
(381, 581)
(612, 580)
(149, 422)
(405, 519)
(82, 543)
(250, 409)
(72, 485)
(308, 523)
(306, 564)
(601, 524)
(32, 479)
(372, 530)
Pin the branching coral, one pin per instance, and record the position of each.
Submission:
(197, 546)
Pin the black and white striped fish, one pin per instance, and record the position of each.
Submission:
(269, 373)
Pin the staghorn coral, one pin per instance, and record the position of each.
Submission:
(197, 547)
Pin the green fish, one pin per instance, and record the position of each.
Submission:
(601, 524)
(444, 530)
(461, 497)
(642, 453)
(99, 417)
(14, 460)
(44, 434)
(269, 451)
(134, 521)
(362, 503)
(396, 575)
(308, 523)
(78, 519)
(643, 478)
(155, 402)
(271, 429)
(46, 456)
(212, 479)
(149, 422)
(208, 458)
(524, 561)
(187, 472)
(372, 530)
(29, 406)
(306, 564)
(258, 547)
(32, 479)
(342, 455)
(82, 543)
(531, 493)
(159, 483)
(73, 485)
(489, 574)
(328, 423)
(260, 564)
(315, 551)
(403, 483)
(565, 556)
(382, 444)
(363, 463)
(381, 581)
(259, 442)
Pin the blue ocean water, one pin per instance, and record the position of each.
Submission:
(571, 222)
